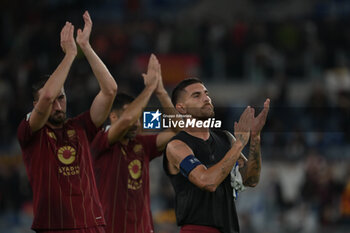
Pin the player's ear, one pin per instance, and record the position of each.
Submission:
(180, 107)
(113, 116)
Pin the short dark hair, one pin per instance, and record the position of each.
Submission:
(180, 88)
(38, 84)
(120, 100)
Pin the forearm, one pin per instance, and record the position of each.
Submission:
(168, 107)
(215, 175)
(129, 116)
(165, 101)
(134, 110)
(251, 172)
(105, 79)
(50, 91)
(56, 81)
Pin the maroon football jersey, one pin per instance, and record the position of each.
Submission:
(122, 174)
(95, 229)
(58, 164)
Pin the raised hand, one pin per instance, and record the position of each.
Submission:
(243, 127)
(67, 40)
(160, 87)
(83, 36)
(259, 121)
(151, 79)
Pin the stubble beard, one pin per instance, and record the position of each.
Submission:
(57, 118)
(131, 134)
(204, 113)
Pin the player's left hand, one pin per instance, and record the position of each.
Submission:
(259, 121)
(83, 36)
(151, 77)
(160, 87)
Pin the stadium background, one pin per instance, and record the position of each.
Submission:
(296, 52)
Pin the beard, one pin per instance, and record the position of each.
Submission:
(132, 132)
(204, 113)
(57, 118)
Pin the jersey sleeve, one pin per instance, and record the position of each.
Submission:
(100, 143)
(150, 142)
(24, 132)
(85, 121)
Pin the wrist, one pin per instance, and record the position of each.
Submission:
(238, 144)
(85, 46)
(255, 136)
(150, 88)
(161, 92)
(71, 54)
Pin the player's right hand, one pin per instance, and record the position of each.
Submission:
(67, 40)
(242, 128)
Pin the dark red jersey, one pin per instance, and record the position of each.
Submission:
(122, 174)
(59, 167)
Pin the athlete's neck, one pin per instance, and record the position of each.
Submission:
(54, 126)
(124, 141)
(202, 133)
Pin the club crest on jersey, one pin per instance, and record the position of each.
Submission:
(137, 148)
(135, 169)
(66, 154)
(71, 133)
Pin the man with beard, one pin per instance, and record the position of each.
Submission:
(56, 150)
(122, 157)
(199, 161)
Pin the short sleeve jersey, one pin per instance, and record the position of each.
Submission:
(59, 167)
(122, 174)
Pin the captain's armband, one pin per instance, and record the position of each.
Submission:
(188, 164)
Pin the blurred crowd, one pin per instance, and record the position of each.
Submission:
(305, 184)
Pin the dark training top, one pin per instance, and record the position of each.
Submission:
(199, 207)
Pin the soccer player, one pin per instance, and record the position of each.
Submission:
(56, 150)
(122, 157)
(199, 162)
